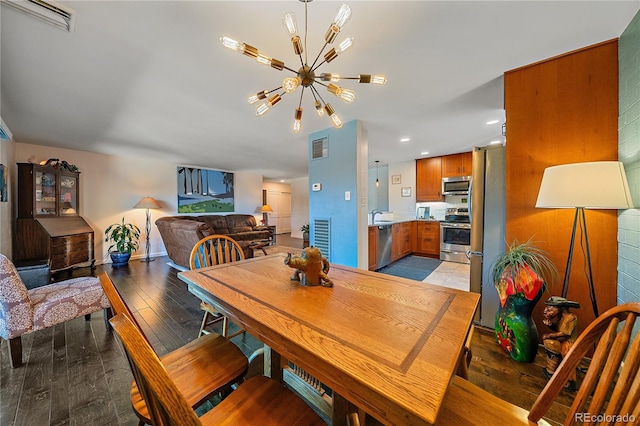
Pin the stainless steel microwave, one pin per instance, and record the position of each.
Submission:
(458, 185)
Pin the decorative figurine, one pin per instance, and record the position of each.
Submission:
(311, 265)
(564, 324)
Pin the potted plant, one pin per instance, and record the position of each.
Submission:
(520, 275)
(305, 235)
(124, 238)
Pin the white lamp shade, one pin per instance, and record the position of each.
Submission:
(147, 203)
(594, 185)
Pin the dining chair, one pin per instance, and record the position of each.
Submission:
(199, 369)
(259, 400)
(209, 251)
(610, 388)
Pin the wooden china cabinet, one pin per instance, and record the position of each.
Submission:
(49, 226)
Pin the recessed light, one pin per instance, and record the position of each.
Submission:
(495, 142)
(424, 153)
(493, 122)
(405, 139)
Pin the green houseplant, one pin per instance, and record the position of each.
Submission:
(305, 235)
(520, 275)
(124, 238)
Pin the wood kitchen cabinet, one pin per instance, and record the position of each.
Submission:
(401, 240)
(456, 165)
(429, 179)
(49, 227)
(428, 238)
(373, 248)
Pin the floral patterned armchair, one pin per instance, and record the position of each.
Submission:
(24, 311)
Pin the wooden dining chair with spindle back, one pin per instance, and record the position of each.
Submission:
(210, 251)
(199, 369)
(259, 400)
(608, 393)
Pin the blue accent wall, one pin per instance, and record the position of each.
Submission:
(337, 174)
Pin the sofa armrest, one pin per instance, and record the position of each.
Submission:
(260, 228)
(35, 275)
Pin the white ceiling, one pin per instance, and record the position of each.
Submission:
(150, 78)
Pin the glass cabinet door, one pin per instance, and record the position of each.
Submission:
(45, 184)
(68, 195)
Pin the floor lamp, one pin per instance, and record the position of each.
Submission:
(594, 185)
(147, 203)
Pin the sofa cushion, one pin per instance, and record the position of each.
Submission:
(218, 223)
(240, 223)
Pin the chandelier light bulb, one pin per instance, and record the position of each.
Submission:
(379, 79)
(231, 43)
(290, 84)
(335, 119)
(263, 59)
(264, 107)
(330, 77)
(289, 22)
(342, 16)
(257, 97)
(297, 122)
(319, 109)
(344, 45)
(346, 95)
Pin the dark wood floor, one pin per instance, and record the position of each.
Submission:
(76, 374)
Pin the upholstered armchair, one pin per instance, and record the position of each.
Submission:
(25, 310)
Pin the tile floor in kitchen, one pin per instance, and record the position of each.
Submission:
(450, 274)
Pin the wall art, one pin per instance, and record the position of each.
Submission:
(204, 191)
(4, 194)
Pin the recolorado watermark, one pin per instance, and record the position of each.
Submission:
(604, 418)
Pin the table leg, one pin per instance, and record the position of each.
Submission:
(272, 364)
(345, 413)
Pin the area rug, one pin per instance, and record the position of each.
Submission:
(412, 267)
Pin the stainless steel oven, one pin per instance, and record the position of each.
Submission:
(455, 236)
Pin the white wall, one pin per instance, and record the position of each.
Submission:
(402, 207)
(111, 185)
(299, 205)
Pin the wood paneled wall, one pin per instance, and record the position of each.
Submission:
(564, 110)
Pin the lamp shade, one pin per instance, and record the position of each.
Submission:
(266, 208)
(147, 203)
(593, 185)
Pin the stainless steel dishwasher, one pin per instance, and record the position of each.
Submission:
(384, 245)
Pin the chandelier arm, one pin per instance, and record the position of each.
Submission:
(289, 69)
(321, 83)
(306, 27)
(319, 65)
(301, 94)
(317, 93)
(313, 66)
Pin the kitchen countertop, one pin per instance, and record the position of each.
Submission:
(391, 222)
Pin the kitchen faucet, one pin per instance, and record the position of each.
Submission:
(373, 215)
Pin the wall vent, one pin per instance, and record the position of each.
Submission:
(322, 236)
(48, 11)
(319, 148)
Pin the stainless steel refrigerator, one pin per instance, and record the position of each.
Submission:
(487, 211)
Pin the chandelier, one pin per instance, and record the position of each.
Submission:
(307, 75)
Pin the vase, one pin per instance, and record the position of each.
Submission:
(119, 259)
(515, 329)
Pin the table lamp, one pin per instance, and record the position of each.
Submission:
(147, 203)
(593, 185)
(265, 209)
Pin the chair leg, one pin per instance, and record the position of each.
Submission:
(108, 314)
(15, 351)
(87, 317)
(205, 318)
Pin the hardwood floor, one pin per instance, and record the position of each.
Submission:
(76, 374)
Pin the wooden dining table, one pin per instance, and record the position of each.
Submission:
(389, 346)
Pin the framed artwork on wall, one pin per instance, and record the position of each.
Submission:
(406, 191)
(204, 190)
(396, 179)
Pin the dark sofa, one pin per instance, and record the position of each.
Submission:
(181, 233)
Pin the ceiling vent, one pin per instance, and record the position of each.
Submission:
(48, 11)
